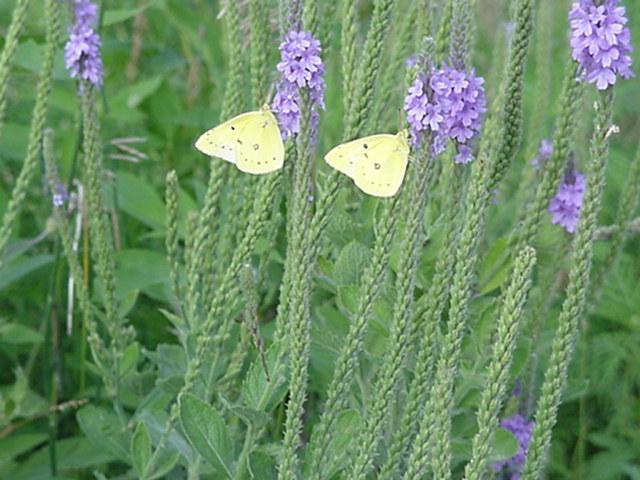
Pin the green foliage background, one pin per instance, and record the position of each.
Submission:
(166, 69)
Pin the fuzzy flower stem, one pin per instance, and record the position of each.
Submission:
(369, 67)
(398, 54)
(298, 321)
(578, 284)
(443, 36)
(397, 345)
(171, 241)
(9, 52)
(511, 121)
(98, 349)
(222, 297)
(553, 169)
(43, 92)
(345, 368)
(348, 52)
(211, 235)
(232, 102)
(429, 309)
(542, 54)
(498, 369)
(258, 53)
(435, 424)
(100, 232)
(627, 205)
(461, 35)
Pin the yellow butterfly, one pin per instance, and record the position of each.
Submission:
(376, 164)
(251, 141)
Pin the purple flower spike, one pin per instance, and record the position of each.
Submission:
(544, 153)
(450, 104)
(600, 41)
(60, 195)
(301, 67)
(82, 50)
(566, 205)
(522, 429)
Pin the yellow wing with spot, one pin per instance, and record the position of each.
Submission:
(259, 146)
(221, 141)
(377, 164)
(345, 157)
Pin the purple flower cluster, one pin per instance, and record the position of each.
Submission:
(300, 67)
(82, 50)
(522, 429)
(565, 206)
(450, 103)
(600, 41)
(60, 195)
(544, 153)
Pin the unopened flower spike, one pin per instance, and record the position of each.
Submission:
(601, 41)
(565, 206)
(82, 50)
(544, 153)
(300, 67)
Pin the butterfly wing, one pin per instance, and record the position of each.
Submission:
(221, 140)
(347, 156)
(382, 171)
(259, 146)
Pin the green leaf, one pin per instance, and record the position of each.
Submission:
(496, 266)
(258, 392)
(112, 17)
(102, 428)
(139, 199)
(207, 432)
(16, 334)
(140, 449)
(346, 427)
(129, 359)
(17, 444)
(505, 446)
(350, 263)
(22, 267)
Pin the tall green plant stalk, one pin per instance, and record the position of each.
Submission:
(552, 170)
(216, 321)
(172, 238)
(435, 424)
(397, 54)
(425, 331)
(627, 206)
(8, 54)
(578, 285)
(501, 357)
(542, 55)
(369, 66)
(443, 35)
(348, 52)
(346, 364)
(370, 63)
(511, 115)
(376, 415)
(99, 352)
(100, 232)
(43, 92)
(258, 52)
(213, 236)
(298, 339)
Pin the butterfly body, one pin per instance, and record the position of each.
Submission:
(376, 164)
(251, 141)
